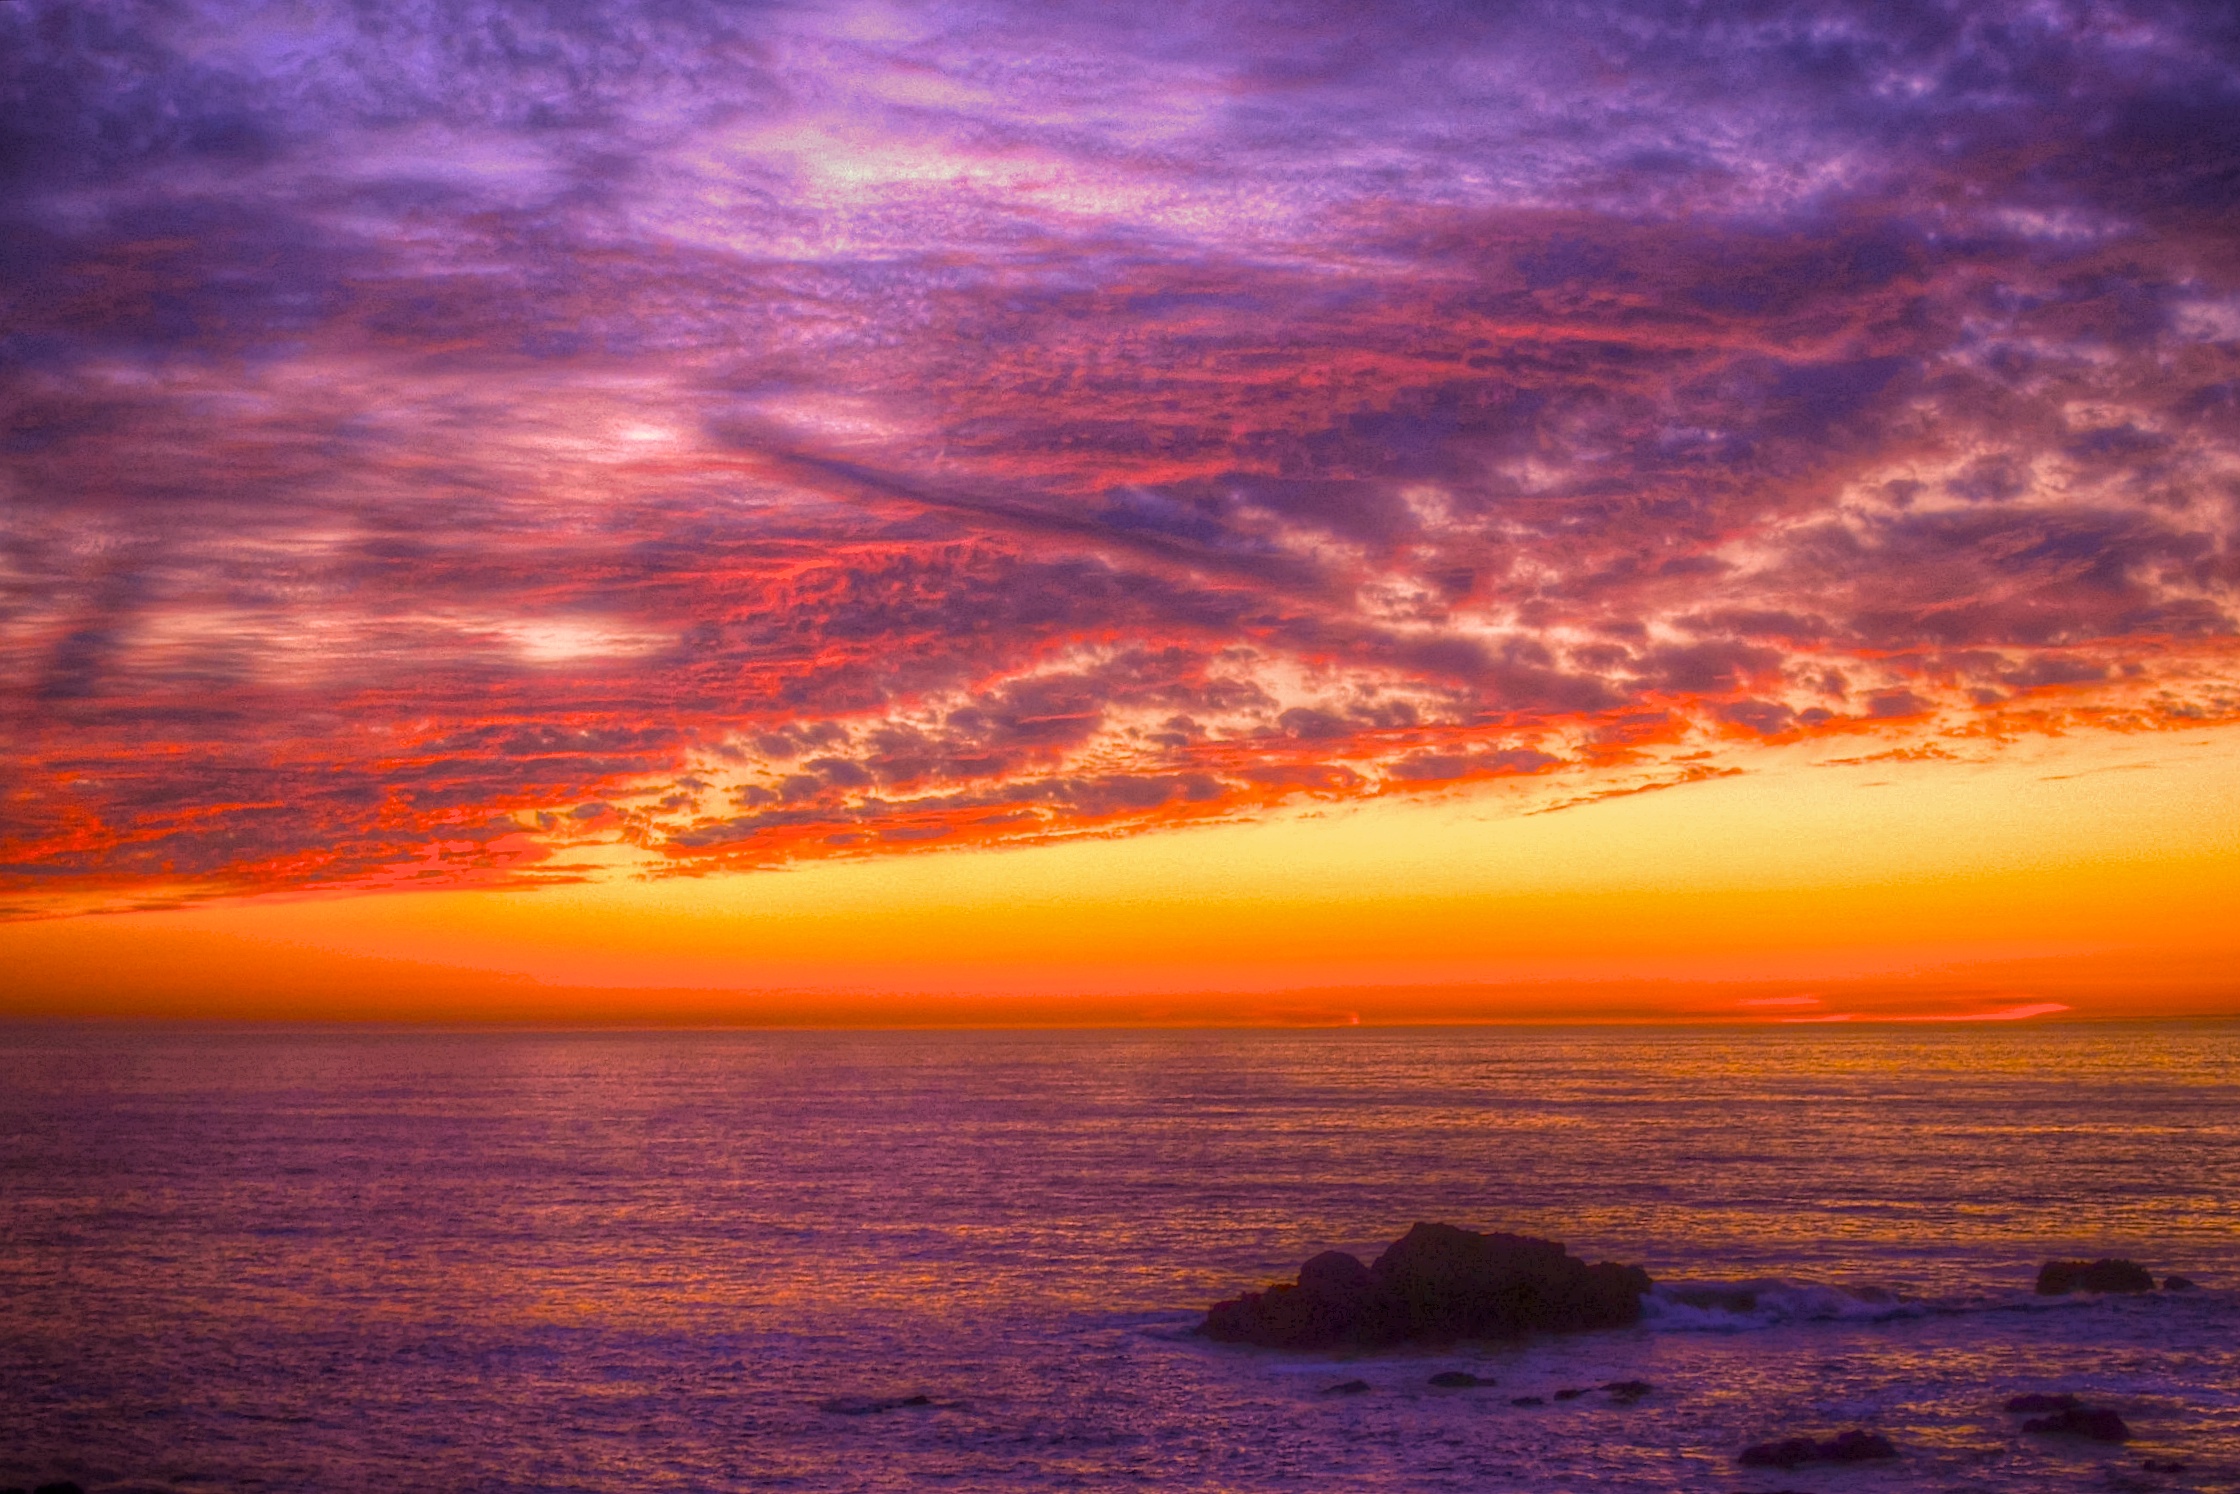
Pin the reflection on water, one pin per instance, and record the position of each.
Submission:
(328, 1260)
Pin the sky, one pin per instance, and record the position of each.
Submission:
(1271, 511)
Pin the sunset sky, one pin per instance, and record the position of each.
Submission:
(1282, 512)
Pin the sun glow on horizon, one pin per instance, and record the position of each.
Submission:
(2096, 866)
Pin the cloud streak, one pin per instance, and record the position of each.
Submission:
(443, 438)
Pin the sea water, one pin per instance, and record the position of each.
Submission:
(353, 1260)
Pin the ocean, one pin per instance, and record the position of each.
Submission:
(349, 1259)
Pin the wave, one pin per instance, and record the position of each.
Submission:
(1768, 1302)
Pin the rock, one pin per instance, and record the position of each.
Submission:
(1626, 1392)
(61, 1486)
(1854, 1446)
(1328, 1306)
(1437, 1283)
(1457, 1380)
(1335, 1274)
(1569, 1395)
(864, 1405)
(1349, 1387)
(1857, 1447)
(2097, 1423)
(2037, 1402)
(1456, 1282)
(2056, 1278)
(2164, 1465)
(1527, 1400)
(2178, 1284)
(1789, 1452)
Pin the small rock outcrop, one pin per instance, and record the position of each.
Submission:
(1348, 1387)
(2057, 1278)
(1457, 1380)
(2095, 1423)
(1854, 1446)
(2178, 1284)
(1435, 1284)
(1626, 1392)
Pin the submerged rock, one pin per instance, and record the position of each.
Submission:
(1437, 1283)
(2036, 1401)
(866, 1405)
(1348, 1387)
(2096, 1423)
(2057, 1278)
(1457, 1380)
(1569, 1395)
(2178, 1284)
(1854, 1446)
(1626, 1392)
(1528, 1400)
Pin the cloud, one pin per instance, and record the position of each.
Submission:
(925, 426)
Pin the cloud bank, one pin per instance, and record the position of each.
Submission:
(440, 437)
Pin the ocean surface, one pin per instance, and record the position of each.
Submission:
(401, 1260)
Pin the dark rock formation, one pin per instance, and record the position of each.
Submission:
(1349, 1387)
(65, 1486)
(2058, 1277)
(1854, 1446)
(1457, 1380)
(2039, 1402)
(1626, 1392)
(1527, 1400)
(2164, 1465)
(2178, 1284)
(1569, 1395)
(2097, 1423)
(1435, 1284)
